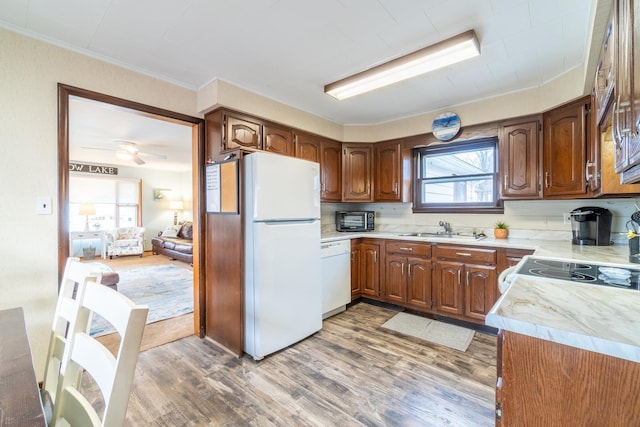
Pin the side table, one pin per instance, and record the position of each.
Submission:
(89, 235)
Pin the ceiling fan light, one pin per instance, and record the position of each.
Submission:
(444, 53)
(124, 155)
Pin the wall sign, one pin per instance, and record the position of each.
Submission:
(102, 170)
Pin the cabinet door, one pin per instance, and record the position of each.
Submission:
(331, 171)
(370, 270)
(388, 175)
(307, 147)
(448, 287)
(419, 283)
(356, 281)
(395, 279)
(565, 151)
(480, 290)
(278, 140)
(241, 133)
(356, 173)
(631, 128)
(605, 71)
(520, 161)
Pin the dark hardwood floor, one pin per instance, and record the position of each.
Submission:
(351, 373)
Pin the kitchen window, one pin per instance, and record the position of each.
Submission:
(457, 177)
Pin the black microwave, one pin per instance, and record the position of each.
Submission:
(355, 220)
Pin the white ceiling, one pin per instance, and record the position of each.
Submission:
(95, 129)
(287, 50)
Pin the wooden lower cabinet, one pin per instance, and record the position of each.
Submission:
(370, 268)
(480, 291)
(407, 274)
(356, 282)
(508, 257)
(450, 280)
(465, 281)
(542, 383)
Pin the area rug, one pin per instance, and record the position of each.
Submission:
(166, 289)
(430, 330)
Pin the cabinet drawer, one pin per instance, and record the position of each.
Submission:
(466, 254)
(407, 248)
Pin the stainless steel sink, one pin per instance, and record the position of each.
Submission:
(424, 235)
(444, 235)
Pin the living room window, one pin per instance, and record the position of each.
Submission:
(457, 177)
(110, 203)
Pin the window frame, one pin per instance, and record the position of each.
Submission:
(419, 206)
(116, 181)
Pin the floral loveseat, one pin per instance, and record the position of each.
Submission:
(176, 242)
(125, 241)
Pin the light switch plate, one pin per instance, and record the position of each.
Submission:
(43, 205)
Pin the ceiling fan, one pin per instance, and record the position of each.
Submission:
(128, 150)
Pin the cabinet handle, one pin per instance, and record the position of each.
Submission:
(467, 278)
(506, 181)
(587, 176)
(546, 179)
(375, 257)
(615, 125)
(402, 248)
(460, 276)
(408, 269)
(395, 187)
(463, 254)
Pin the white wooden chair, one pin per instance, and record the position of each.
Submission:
(75, 274)
(112, 374)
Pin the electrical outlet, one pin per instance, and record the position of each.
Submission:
(566, 218)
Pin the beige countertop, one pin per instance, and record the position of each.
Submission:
(595, 318)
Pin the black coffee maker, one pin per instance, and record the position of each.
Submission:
(591, 226)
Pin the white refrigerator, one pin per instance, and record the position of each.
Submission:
(283, 298)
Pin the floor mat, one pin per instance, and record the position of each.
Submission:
(452, 336)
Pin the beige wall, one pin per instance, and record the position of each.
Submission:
(29, 73)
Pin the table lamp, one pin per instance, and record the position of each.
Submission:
(87, 209)
(176, 205)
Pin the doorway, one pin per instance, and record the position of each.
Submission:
(196, 125)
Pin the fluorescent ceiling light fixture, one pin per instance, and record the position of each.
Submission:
(447, 52)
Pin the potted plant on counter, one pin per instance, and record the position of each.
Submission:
(501, 231)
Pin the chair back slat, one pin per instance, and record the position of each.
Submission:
(113, 375)
(75, 274)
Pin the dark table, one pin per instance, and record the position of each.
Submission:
(20, 403)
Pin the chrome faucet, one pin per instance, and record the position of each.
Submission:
(446, 225)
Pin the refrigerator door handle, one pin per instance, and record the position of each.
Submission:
(287, 221)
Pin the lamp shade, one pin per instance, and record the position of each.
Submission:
(176, 205)
(87, 209)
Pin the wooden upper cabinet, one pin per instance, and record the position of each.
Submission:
(241, 132)
(608, 180)
(278, 140)
(357, 162)
(604, 81)
(565, 150)
(392, 177)
(307, 147)
(330, 170)
(520, 160)
(627, 111)
(329, 154)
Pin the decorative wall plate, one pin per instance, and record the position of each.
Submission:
(446, 126)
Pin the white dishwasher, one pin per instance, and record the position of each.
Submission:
(336, 276)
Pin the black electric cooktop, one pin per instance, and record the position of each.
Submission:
(582, 272)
